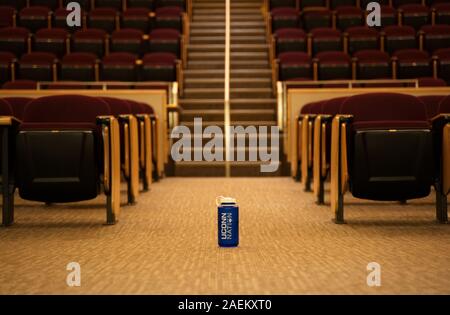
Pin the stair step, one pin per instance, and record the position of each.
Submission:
(260, 39)
(219, 82)
(235, 64)
(221, 25)
(235, 114)
(234, 5)
(234, 47)
(207, 31)
(234, 92)
(221, 17)
(254, 103)
(235, 73)
(234, 55)
(235, 11)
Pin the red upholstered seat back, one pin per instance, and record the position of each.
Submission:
(444, 106)
(18, 105)
(117, 106)
(5, 108)
(386, 110)
(432, 104)
(64, 109)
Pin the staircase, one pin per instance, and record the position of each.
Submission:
(252, 98)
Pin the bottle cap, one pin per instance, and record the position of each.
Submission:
(221, 200)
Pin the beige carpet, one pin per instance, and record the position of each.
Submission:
(166, 244)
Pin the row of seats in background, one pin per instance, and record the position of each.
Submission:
(33, 51)
(98, 141)
(419, 47)
(346, 14)
(107, 19)
(379, 146)
(91, 4)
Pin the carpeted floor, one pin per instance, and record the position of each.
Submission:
(167, 244)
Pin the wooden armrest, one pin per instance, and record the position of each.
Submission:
(9, 121)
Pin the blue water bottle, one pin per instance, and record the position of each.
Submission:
(228, 222)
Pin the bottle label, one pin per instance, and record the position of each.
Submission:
(226, 230)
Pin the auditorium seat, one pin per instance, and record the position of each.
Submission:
(333, 65)
(441, 126)
(348, 16)
(284, 17)
(34, 18)
(37, 66)
(119, 66)
(7, 61)
(434, 37)
(52, 40)
(147, 138)
(364, 3)
(308, 4)
(18, 105)
(372, 64)
(103, 18)
(399, 37)
(8, 128)
(7, 16)
(362, 38)
(441, 13)
(379, 153)
(318, 18)
(431, 82)
(322, 144)
(388, 16)
(443, 63)
(20, 85)
(51, 4)
(169, 3)
(85, 4)
(148, 4)
(159, 66)
(289, 39)
(282, 3)
(165, 40)
(129, 145)
(415, 15)
(432, 104)
(17, 4)
(115, 4)
(79, 67)
(60, 20)
(306, 144)
(75, 163)
(398, 3)
(127, 40)
(15, 40)
(325, 39)
(412, 63)
(137, 18)
(169, 17)
(89, 40)
(294, 65)
(337, 4)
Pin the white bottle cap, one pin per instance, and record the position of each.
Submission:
(221, 200)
